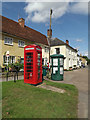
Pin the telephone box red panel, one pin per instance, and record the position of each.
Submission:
(33, 64)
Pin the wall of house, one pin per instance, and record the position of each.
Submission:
(69, 54)
(71, 58)
(62, 51)
(45, 54)
(78, 62)
(83, 61)
(15, 50)
(0, 49)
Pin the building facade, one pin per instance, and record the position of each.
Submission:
(15, 36)
(70, 54)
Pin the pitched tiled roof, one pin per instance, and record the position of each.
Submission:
(11, 27)
(57, 42)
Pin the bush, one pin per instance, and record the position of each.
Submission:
(15, 66)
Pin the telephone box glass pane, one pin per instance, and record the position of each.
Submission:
(61, 70)
(61, 61)
(39, 64)
(29, 65)
(55, 62)
(55, 69)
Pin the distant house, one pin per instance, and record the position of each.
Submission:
(79, 61)
(15, 36)
(70, 54)
(83, 61)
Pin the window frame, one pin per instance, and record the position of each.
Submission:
(57, 50)
(21, 43)
(8, 41)
(10, 59)
(46, 50)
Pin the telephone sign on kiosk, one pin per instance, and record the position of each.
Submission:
(33, 64)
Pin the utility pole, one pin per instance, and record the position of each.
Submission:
(50, 34)
(50, 18)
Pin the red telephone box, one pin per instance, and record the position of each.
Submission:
(33, 64)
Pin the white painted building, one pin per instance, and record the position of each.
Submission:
(70, 54)
(79, 62)
(45, 55)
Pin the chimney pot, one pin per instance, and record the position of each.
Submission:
(21, 22)
(49, 33)
(67, 42)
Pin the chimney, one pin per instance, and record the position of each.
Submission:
(21, 22)
(49, 33)
(67, 42)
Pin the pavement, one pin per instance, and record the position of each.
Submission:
(79, 78)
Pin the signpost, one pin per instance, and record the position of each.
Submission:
(7, 55)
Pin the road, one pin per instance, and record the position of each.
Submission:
(80, 79)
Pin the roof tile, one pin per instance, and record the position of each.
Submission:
(11, 27)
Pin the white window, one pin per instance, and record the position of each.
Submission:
(8, 40)
(72, 53)
(45, 61)
(21, 43)
(46, 49)
(57, 50)
(61, 61)
(69, 52)
(11, 59)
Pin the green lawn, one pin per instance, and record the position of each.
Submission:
(21, 100)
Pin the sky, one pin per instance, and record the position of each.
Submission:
(69, 19)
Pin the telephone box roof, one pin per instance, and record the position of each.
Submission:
(57, 56)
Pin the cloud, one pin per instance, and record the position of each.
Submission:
(79, 40)
(86, 53)
(79, 8)
(40, 11)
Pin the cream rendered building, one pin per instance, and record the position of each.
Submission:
(15, 36)
(70, 54)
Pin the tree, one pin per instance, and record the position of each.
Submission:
(87, 59)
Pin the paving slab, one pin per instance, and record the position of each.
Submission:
(48, 87)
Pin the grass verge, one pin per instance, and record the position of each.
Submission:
(21, 100)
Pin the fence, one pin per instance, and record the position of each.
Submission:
(7, 76)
